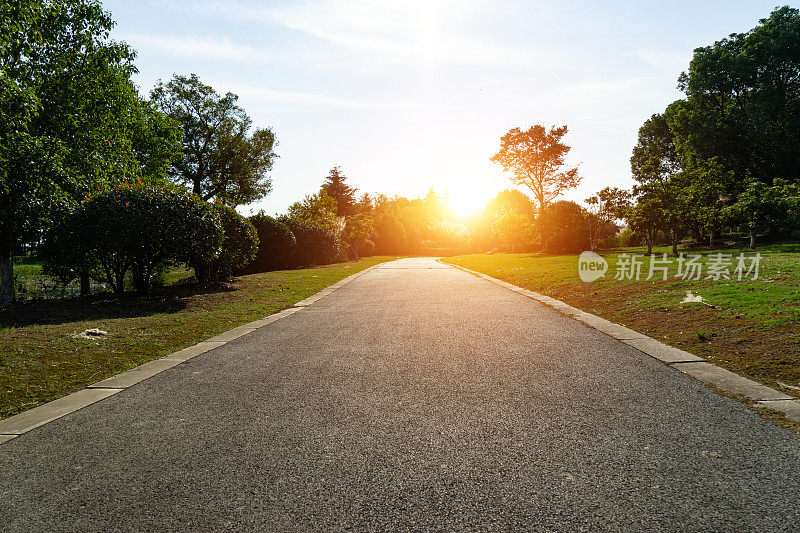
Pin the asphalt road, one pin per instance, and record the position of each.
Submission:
(415, 397)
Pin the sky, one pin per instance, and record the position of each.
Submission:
(411, 95)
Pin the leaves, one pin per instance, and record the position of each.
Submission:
(536, 158)
(220, 160)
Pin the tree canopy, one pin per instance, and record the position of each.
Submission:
(536, 158)
(73, 120)
(221, 160)
(336, 187)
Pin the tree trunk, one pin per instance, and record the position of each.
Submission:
(752, 237)
(6, 278)
(713, 236)
(86, 283)
(697, 233)
(119, 283)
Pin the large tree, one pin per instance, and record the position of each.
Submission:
(655, 165)
(536, 157)
(741, 117)
(72, 120)
(221, 159)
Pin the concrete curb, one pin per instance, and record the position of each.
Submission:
(682, 361)
(18, 424)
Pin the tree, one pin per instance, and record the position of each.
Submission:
(741, 116)
(603, 208)
(134, 228)
(365, 204)
(319, 209)
(344, 195)
(564, 228)
(73, 121)
(536, 158)
(656, 167)
(644, 218)
(511, 218)
(357, 230)
(276, 244)
(239, 247)
(316, 244)
(761, 206)
(220, 159)
(655, 158)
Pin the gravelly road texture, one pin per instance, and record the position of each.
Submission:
(416, 397)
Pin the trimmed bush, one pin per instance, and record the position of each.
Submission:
(276, 244)
(316, 244)
(564, 228)
(133, 228)
(239, 247)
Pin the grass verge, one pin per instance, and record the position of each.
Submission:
(751, 327)
(41, 360)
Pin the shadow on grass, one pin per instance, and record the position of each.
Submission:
(171, 299)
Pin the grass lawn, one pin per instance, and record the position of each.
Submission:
(751, 327)
(40, 360)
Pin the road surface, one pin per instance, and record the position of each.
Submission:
(415, 397)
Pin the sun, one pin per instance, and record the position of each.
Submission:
(465, 203)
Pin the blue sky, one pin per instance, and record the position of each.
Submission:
(409, 95)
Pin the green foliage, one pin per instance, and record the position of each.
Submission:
(743, 101)
(357, 230)
(239, 247)
(132, 227)
(344, 195)
(762, 206)
(367, 249)
(317, 210)
(655, 158)
(220, 159)
(564, 228)
(730, 152)
(72, 119)
(276, 244)
(316, 244)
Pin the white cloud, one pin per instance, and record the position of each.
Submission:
(387, 32)
(302, 98)
(209, 47)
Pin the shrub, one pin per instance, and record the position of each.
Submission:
(276, 244)
(239, 247)
(133, 228)
(316, 244)
(564, 228)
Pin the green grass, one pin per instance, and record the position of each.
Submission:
(40, 360)
(751, 326)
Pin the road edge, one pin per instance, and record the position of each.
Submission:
(728, 383)
(23, 422)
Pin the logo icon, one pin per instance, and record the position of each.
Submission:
(591, 266)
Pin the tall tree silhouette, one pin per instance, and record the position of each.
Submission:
(336, 188)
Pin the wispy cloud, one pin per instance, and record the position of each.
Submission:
(386, 32)
(313, 99)
(208, 47)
